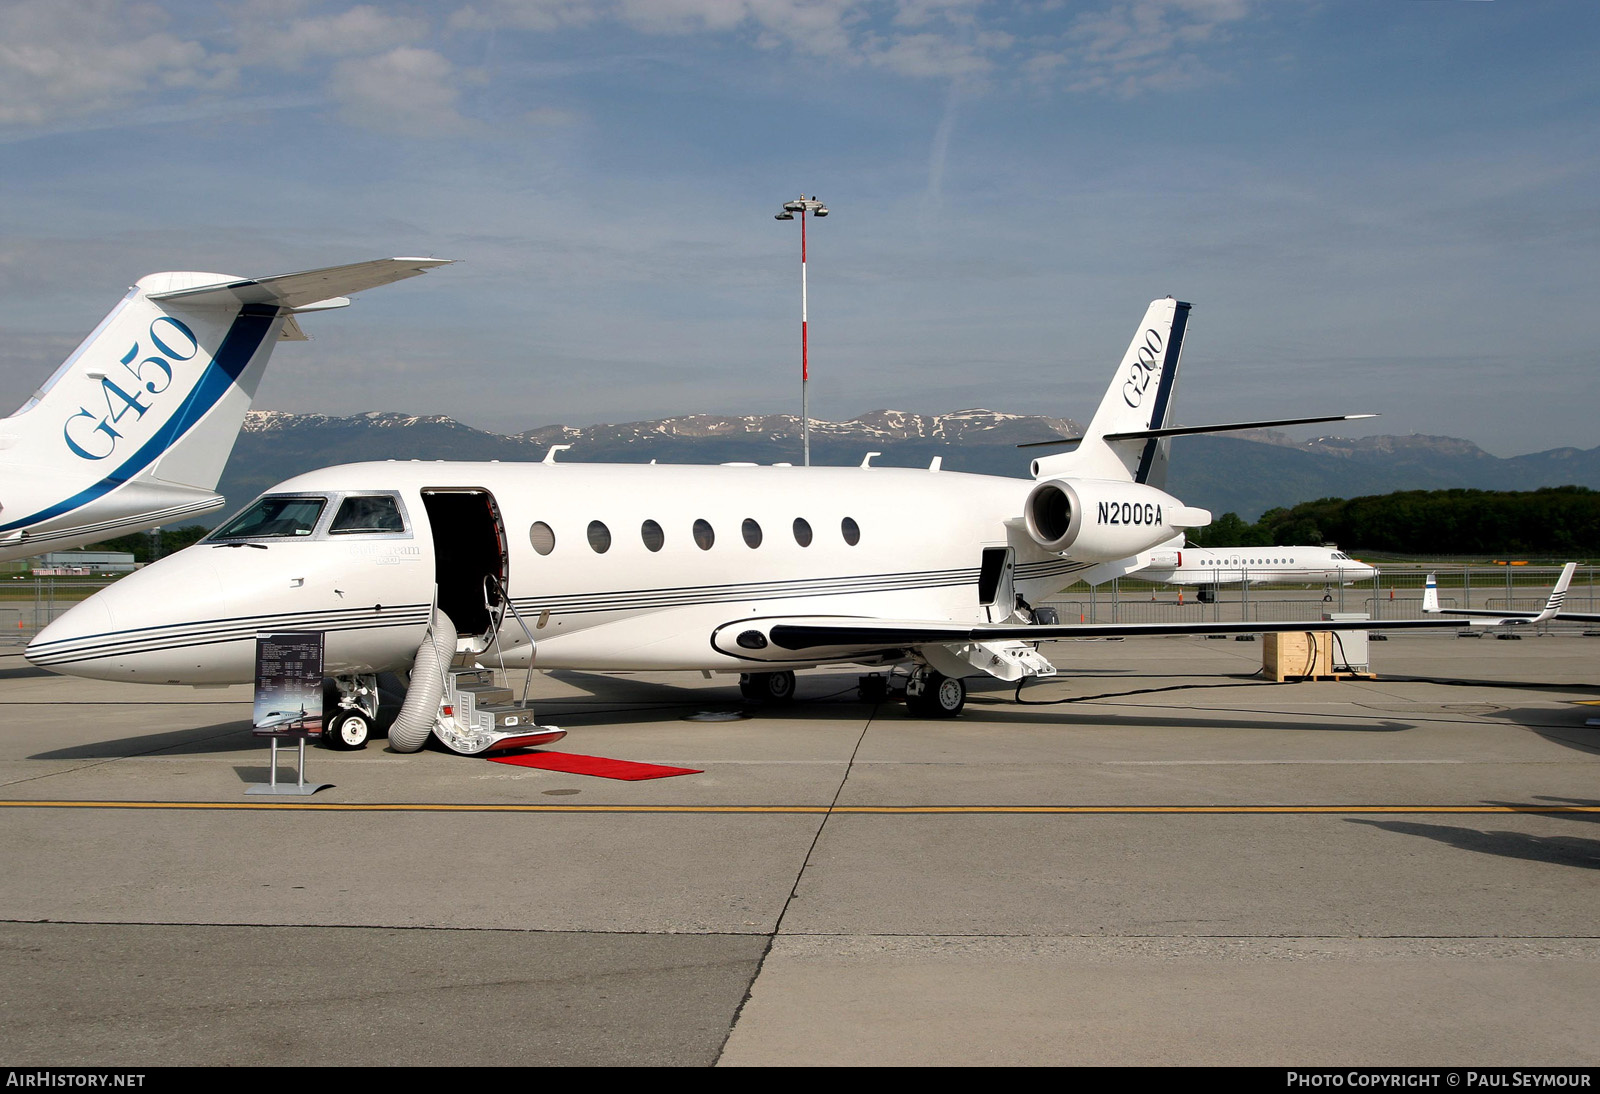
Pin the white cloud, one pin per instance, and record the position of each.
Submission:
(406, 90)
(929, 56)
(543, 15)
(1138, 45)
(63, 60)
(356, 31)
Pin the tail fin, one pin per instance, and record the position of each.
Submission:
(141, 418)
(1558, 595)
(1430, 596)
(1140, 398)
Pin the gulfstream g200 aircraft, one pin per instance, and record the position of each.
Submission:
(754, 570)
(134, 428)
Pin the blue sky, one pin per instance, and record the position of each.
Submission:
(1385, 206)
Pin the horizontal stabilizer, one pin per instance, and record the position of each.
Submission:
(1190, 430)
(302, 290)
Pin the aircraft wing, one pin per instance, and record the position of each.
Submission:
(326, 286)
(812, 639)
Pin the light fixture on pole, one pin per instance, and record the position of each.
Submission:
(803, 205)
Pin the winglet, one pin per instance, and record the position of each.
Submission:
(1430, 596)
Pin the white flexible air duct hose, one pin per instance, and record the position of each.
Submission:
(421, 709)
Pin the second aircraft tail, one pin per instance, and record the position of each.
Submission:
(1139, 399)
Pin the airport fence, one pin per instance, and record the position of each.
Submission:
(28, 604)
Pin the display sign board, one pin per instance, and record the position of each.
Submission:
(289, 684)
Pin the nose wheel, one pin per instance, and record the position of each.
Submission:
(347, 731)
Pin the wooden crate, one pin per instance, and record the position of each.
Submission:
(1291, 654)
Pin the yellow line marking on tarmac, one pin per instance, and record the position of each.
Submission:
(1067, 810)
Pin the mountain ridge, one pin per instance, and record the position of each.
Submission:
(1246, 473)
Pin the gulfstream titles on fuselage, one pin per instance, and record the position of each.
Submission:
(1470, 1079)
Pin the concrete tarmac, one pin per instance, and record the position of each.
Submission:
(1155, 858)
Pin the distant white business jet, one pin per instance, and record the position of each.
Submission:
(1483, 617)
(756, 570)
(134, 428)
(1209, 567)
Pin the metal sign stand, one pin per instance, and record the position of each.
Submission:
(300, 786)
(288, 700)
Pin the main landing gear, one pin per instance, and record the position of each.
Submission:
(931, 694)
(767, 687)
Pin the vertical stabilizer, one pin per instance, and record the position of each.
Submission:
(134, 428)
(1140, 398)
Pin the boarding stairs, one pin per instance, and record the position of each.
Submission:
(477, 715)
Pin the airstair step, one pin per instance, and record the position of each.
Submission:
(508, 715)
(485, 695)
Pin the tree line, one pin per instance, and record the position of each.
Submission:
(1556, 521)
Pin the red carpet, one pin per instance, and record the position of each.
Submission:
(598, 766)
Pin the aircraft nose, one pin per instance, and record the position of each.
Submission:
(78, 625)
(134, 629)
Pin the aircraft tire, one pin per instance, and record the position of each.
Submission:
(942, 697)
(347, 731)
(414, 724)
(767, 687)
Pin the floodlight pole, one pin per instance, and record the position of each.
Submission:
(803, 205)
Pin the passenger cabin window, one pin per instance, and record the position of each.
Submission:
(652, 535)
(851, 531)
(599, 537)
(368, 513)
(542, 537)
(274, 518)
(704, 537)
(752, 533)
(802, 532)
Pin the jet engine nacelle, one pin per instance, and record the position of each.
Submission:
(1099, 521)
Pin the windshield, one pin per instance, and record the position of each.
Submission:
(367, 513)
(272, 518)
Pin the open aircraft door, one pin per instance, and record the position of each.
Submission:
(470, 560)
(996, 583)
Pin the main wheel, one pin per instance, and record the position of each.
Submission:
(942, 697)
(347, 730)
(767, 687)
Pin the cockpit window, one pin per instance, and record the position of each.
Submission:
(367, 513)
(274, 517)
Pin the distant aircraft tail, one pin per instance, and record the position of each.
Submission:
(134, 428)
(1139, 399)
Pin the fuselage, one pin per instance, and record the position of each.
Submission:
(608, 567)
(1259, 565)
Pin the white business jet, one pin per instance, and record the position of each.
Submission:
(437, 567)
(1483, 617)
(134, 428)
(1208, 567)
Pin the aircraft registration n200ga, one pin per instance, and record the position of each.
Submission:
(755, 570)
